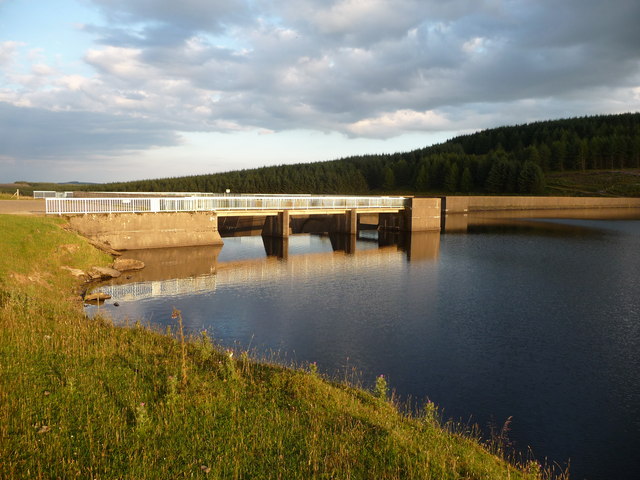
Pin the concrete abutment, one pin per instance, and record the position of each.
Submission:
(135, 231)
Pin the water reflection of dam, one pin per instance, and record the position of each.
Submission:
(194, 270)
(161, 288)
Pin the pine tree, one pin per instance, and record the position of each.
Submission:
(451, 178)
(422, 180)
(466, 181)
(531, 179)
(389, 182)
(498, 177)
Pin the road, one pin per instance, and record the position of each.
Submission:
(22, 207)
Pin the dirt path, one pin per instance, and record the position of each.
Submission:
(22, 207)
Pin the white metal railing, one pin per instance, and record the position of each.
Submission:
(67, 206)
(51, 194)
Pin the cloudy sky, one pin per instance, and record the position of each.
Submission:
(101, 90)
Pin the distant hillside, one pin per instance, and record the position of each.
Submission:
(27, 188)
(509, 160)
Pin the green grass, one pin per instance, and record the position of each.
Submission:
(12, 196)
(80, 398)
(601, 183)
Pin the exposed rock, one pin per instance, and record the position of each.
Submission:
(98, 273)
(97, 297)
(125, 264)
(35, 277)
(75, 271)
(104, 247)
(96, 243)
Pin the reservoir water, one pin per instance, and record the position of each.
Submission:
(536, 320)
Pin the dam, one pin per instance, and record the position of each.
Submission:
(132, 221)
(139, 222)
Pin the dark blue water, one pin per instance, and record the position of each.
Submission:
(537, 321)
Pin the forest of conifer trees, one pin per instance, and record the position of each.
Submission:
(505, 160)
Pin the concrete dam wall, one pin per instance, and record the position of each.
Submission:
(134, 231)
(460, 204)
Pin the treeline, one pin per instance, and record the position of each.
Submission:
(510, 160)
(321, 177)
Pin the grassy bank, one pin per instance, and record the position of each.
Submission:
(81, 398)
(13, 196)
(596, 183)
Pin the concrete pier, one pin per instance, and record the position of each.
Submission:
(277, 225)
(422, 215)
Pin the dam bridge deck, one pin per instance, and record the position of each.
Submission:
(225, 205)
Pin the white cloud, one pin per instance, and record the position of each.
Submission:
(395, 123)
(122, 63)
(8, 52)
(475, 45)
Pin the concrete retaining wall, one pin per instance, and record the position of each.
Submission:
(131, 231)
(460, 204)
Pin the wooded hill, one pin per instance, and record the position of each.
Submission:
(504, 160)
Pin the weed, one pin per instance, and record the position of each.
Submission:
(431, 414)
(172, 391)
(205, 346)
(230, 370)
(246, 363)
(381, 388)
(183, 365)
(142, 417)
(499, 438)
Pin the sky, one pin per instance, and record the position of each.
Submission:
(116, 90)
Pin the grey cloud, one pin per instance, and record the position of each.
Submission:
(550, 23)
(363, 24)
(324, 65)
(33, 133)
(411, 46)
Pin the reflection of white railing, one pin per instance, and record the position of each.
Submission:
(209, 204)
(302, 268)
(163, 288)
